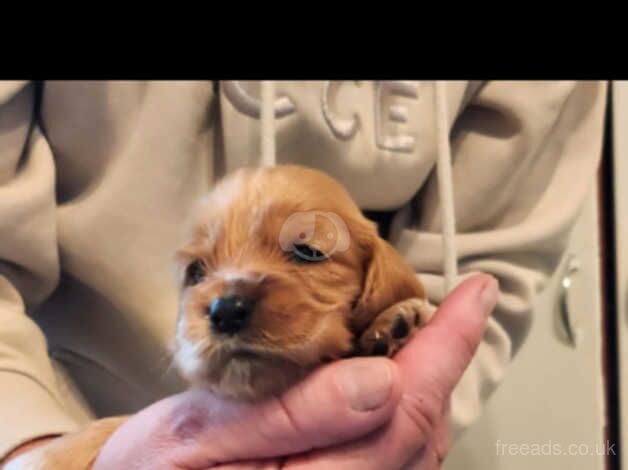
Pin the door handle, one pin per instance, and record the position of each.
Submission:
(568, 324)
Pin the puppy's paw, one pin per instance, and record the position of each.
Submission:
(393, 327)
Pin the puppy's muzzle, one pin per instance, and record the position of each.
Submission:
(230, 314)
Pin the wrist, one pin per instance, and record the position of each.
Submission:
(142, 437)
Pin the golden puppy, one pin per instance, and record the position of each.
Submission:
(280, 273)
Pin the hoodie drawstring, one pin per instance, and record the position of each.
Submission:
(445, 188)
(443, 169)
(268, 123)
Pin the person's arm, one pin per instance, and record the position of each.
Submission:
(524, 155)
(30, 405)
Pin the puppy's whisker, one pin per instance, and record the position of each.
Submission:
(171, 365)
(166, 358)
(266, 334)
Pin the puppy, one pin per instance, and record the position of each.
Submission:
(280, 273)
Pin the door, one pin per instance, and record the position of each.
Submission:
(549, 412)
(620, 179)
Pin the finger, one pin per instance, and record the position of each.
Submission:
(339, 402)
(390, 447)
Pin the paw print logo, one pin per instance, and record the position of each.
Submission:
(316, 234)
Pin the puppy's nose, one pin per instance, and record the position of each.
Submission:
(230, 314)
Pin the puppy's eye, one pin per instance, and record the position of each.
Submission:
(307, 254)
(194, 273)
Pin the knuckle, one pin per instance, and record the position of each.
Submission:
(187, 421)
(442, 446)
(466, 344)
(279, 422)
(425, 411)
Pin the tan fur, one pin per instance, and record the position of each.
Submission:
(75, 451)
(305, 314)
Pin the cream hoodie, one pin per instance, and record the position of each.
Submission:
(96, 179)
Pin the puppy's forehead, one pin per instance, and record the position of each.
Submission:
(254, 210)
(277, 190)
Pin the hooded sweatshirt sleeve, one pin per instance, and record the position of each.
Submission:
(30, 405)
(524, 156)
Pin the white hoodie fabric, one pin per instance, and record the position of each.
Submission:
(97, 179)
(445, 191)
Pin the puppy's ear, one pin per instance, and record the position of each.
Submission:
(388, 280)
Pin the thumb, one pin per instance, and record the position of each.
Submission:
(441, 351)
(339, 402)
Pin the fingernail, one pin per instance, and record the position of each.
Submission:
(366, 384)
(488, 296)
